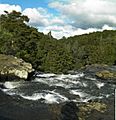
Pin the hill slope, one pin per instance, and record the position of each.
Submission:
(50, 55)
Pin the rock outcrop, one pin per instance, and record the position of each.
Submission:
(12, 68)
(105, 74)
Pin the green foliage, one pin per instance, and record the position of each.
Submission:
(58, 61)
(50, 55)
(98, 47)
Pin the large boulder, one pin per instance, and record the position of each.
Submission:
(12, 68)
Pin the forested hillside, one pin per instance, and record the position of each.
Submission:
(50, 55)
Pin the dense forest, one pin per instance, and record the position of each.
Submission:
(47, 54)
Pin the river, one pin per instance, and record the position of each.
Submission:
(46, 89)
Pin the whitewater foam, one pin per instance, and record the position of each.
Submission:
(80, 93)
(47, 75)
(48, 97)
(70, 76)
(90, 78)
(65, 81)
(11, 85)
(84, 97)
(84, 84)
(99, 84)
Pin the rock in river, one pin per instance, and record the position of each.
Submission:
(12, 68)
(105, 74)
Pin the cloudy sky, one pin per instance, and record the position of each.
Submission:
(66, 17)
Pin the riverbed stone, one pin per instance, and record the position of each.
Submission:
(12, 67)
(105, 74)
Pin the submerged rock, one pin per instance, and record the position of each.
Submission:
(12, 68)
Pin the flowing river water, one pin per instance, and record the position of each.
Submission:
(80, 86)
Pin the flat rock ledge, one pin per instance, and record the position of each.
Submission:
(12, 68)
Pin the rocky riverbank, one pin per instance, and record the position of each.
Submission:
(12, 68)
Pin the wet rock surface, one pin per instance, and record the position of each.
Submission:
(69, 111)
(17, 109)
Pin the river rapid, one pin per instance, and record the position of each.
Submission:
(77, 86)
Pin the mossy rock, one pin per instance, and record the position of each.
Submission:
(86, 109)
(105, 74)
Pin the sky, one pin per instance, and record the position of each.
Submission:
(66, 17)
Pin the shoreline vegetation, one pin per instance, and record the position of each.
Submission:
(47, 54)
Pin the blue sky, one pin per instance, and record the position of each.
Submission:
(66, 17)
(28, 3)
(32, 3)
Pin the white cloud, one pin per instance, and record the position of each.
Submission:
(57, 20)
(10, 8)
(38, 16)
(77, 17)
(106, 27)
(41, 17)
(68, 30)
(81, 31)
(88, 13)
